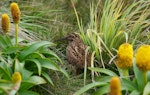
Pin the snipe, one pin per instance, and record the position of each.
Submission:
(75, 52)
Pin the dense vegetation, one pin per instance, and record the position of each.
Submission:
(34, 60)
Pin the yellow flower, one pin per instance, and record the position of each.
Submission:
(115, 86)
(5, 22)
(125, 56)
(16, 77)
(143, 58)
(15, 12)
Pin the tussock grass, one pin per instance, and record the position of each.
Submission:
(112, 25)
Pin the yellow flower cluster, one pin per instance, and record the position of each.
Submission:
(5, 23)
(143, 58)
(124, 56)
(16, 77)
(15, 11)
(115, 86)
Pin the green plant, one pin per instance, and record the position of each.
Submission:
(15, 12)
(29, 60)
(101, 82)
(134, 85)
(137, 83)
(115, 24)
(112, 25)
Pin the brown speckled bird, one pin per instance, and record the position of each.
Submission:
(75, 52)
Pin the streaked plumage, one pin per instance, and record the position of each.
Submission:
(75, 52)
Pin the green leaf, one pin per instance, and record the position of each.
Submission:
(26, 92)
(50, 53)
(46, 76)
(103, 90)
(8, 41)
(6, 85)
(128, 85)
(38, 64)
(25, 85)
(89, 86)
(35, 55)
(147, 89)
(49, 64)
(36, 80)
(26, 74)
(18, 67)
(4, 88)
(135, 92)
(105, 71)
(103, 78)
(139, 77)
(3, 43)
(11, 50)
(32, 48)
(5, 73)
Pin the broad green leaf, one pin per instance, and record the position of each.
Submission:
(32, 48)
(5, 72)
(3, 43)
(49, 64)
(89, 86)
(139, 77)
(35, 55)
(128, 85)
(3, 90)
(11, 50)
(25, 85)
(147, 89)
(18, 67)
(105, 71)
(103, 78)
(36, 80)
(103, 90)
(26, 92)
(38, 64)
(26, 74)
(8, 41)
(50, 53)
(6, 86)
(135, 92)
(47, 77)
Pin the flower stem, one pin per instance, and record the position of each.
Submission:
(16, 29)
(145, 77)
(125, 73)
